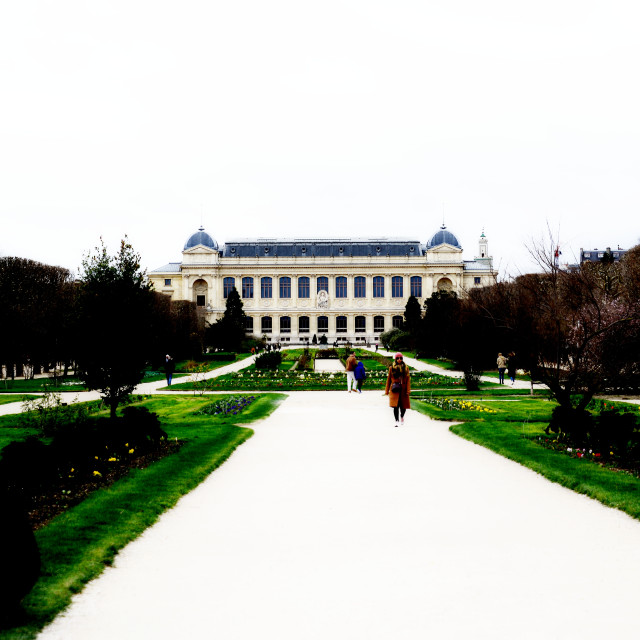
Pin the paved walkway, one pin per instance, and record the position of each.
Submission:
(331, 524)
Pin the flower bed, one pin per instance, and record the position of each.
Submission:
(229, 405)
(455, 404)
(312, 380)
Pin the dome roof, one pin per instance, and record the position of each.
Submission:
(443, 236)
(200, 237)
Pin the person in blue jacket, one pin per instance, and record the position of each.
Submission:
(360, 374)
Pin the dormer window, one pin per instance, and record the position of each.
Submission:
(233, 249)
(266, 250)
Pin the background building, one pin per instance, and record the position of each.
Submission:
(342, 288)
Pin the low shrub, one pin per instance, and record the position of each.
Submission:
(323, 354)
(471, 379)
(399, 341)
(270, 360)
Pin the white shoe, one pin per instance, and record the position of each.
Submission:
(397, 424)
(402, 421)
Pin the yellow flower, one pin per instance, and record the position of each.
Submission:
(97, 473)
(72, 470)
(131, 450)
(112, 460)
(96, 457)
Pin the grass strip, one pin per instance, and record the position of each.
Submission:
(77, 545)
(513, 432)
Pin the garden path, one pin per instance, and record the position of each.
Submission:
(328, 364)
(418, 365)
(331, 523)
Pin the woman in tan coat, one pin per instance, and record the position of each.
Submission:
(398, 388)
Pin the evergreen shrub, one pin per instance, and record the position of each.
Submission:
(270, 360)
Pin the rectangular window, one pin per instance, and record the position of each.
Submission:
(323, 324)
(323, 284)
(285, 324)
(167, 282)
(285, 287)
(341, 287)
(359, 287)
(303, 324)
(378, 287)
(416, 286)
(228, 284)
(266, 288)
(247, 287)
(477, 280)
(303, 287)
(361, 324)
(200, 301)
(397, 287)
(341, 324)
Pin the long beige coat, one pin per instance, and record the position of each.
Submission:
(406, 389)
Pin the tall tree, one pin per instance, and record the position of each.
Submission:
(576, 331)
(115, 311)
(227, 333)
(35, 299)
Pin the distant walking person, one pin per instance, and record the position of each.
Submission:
(351, 367)
(169, 367)
(398, 388)
(511, 367)
(360, 374)
(502, 365)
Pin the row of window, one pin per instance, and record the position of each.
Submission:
(322, 284)
(266, 324)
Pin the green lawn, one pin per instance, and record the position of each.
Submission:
(515, 432)
(38, 385)
(77, 545)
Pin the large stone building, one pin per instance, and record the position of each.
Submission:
(348, 290)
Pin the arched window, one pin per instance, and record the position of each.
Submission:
(323, 283)
(200, 289)
(378, 324)
(266, 290)
(285, 287)
(444, 284)
(303, 324)
(227, 285)
(248, 324)
(341, 287)
(361, 324)
(397, 321)
(303, 287)
(397, 287)
(247, 287)
(285, 324)
(378, 287)
(341, 324)
(416, 286)
(323, 324)
(266, 324)
(359, 287)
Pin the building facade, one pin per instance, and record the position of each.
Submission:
(348, 290)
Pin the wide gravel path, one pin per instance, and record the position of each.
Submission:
(332, 524)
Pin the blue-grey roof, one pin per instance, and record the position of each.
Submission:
(172, 267)
(200, 237)
(320, 248)
(443, 236)
(473, 265)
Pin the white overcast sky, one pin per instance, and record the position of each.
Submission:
(327, 119)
